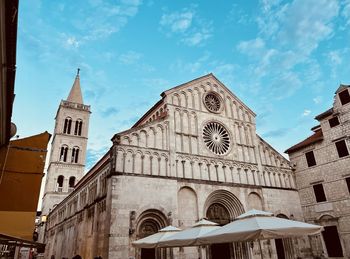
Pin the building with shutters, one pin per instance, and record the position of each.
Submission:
(322, 172)
(195, 154)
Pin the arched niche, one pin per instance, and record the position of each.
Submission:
(254, 201)
(187, 206)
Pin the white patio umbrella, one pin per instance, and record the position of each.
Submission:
(256, 225)
(189, 237)
(152, 240)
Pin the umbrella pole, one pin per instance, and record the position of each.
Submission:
(261, 254)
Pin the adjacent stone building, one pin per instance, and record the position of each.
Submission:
(195, 154)
(322, 171)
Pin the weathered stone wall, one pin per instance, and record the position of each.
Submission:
(78, 225)
(135, 195)
(330, 171)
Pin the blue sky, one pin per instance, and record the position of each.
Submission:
(284, 59)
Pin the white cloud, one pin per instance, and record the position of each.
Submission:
(317, 99)
(186, 25)
(282, 51)
(100, 19)
(346, 11)
(268, 4)
(252, 47)
(193, 67)
(307, 23)
(197, 38)
(178, 22)
(334, 57)
(306, 113)
(285, 84)
(72, 42)
(157, 83)
(130, 57)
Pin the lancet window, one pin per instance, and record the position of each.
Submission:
(75, 155)
(78, 127)
(71, 183)
(60, 181)
(63, 153)
(67, 125)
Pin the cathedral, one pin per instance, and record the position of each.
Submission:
(195, 154)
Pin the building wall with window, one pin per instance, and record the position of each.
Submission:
(195, 154)
(322, 171)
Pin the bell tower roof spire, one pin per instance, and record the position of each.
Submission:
(75, 95)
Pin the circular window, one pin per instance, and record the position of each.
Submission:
(216, 138)
(213, 102)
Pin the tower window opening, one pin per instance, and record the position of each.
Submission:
(78, 127)
(63, 154)
(67, 125)
(75, 155)
(71, 183)
(60, 181)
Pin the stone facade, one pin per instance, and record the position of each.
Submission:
(322, 181)
(194, 154)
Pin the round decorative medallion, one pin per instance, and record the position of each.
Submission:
(212, 102)
(216, 138)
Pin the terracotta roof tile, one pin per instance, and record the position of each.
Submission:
(317, 136)
(324, 114)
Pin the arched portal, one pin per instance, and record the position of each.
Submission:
(219, 214)
(149, 223)
(223, 207)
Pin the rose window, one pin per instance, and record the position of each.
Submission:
(216, 138)
(213, 102)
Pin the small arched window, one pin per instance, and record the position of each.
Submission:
(63, 153)
(60, 180)
(67, 125)
(71, 183)
(78, 127)
(75, 155)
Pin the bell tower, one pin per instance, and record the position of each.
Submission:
(68, 148)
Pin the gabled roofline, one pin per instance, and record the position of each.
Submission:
(271, 147)
(163, 94)
(148, 112)
(137, 127)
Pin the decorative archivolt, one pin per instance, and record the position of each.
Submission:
(228, 200)
(146, 219)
